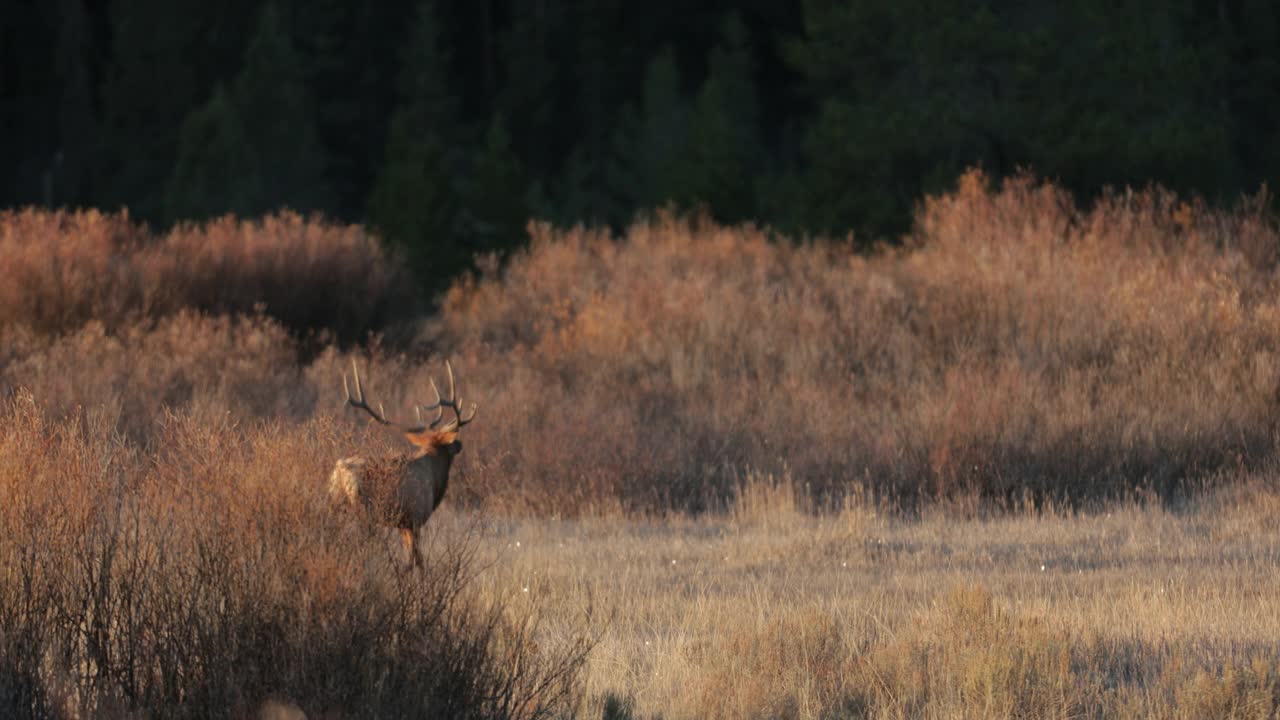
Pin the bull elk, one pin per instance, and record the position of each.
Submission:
(402, 490)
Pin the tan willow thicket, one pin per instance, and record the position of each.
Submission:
(171, 404)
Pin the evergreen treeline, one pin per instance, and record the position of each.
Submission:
(445, 125)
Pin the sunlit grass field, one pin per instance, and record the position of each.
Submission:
(1021, 465)
(768, 611)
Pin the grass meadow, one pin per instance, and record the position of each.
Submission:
(1023, 464)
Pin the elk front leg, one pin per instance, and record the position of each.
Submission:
(410, 545)
(410, 540)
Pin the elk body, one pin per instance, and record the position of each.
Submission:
(402, 490)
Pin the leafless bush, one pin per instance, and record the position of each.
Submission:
(63, 270)
(204, 366)
(1017, 344)
(209, 574)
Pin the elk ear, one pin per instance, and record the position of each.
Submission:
(455, 447)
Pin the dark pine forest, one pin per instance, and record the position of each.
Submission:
(446, 125)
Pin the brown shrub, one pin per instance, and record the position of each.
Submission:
(202, 366)
(1018, 343)
(208, 574)
(1017, 346)
(65, 269)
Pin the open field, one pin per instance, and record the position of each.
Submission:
(1024, 465)
(771, 612)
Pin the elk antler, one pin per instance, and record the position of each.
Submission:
(453, 403)
(357, 401)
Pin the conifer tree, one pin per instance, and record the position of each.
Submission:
(528, 97)
(149, 89)
(650, 144)
(350, 54)
(216, 172)
(725, 144)
(497, 198)
(416, 197)
(278, 115)
(583, 191)
(77, 115)
(269, 155)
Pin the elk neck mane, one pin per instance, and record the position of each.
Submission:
(432, 442)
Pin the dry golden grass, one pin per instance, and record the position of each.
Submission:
(1135, 611)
